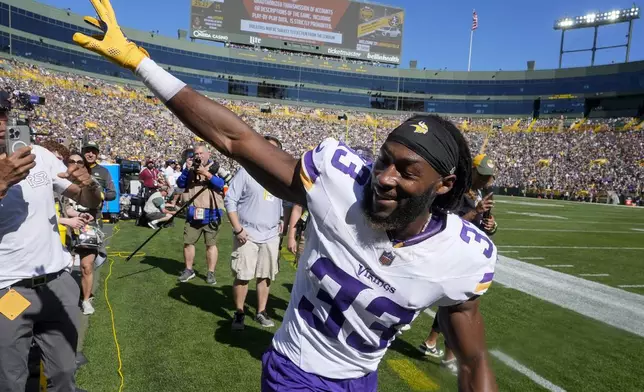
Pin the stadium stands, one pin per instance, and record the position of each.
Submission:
(547, 130)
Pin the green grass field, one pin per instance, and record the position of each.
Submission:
(176, 337)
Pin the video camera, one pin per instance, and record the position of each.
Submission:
(19, 133)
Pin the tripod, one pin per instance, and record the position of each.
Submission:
(163, 227)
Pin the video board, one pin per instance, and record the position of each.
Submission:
(341, 28)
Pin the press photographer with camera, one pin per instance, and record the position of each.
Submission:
(200, 181)
(38, 296)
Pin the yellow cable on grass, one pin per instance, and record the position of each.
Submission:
(109, 306)
(116, 341)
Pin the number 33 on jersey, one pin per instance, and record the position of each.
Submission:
(347, 304)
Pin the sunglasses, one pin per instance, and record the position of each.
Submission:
(76, 162)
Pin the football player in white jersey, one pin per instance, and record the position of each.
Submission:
(381, 246)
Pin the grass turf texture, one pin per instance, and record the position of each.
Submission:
(176, 337)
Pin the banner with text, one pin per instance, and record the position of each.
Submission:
(344, 28)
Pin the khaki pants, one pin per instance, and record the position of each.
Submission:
(253, 260)
(193, 231)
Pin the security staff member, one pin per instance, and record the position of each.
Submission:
(204, 215)
(38, 296)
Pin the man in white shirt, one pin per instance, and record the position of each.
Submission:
(169, 174)
(38, 296)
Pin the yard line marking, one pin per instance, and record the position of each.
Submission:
(593, 275)
(624, 286)
(532, 258)
(569, 221)
(430, 312)
(559, 266)
(567, 247)
(527, 203)
(417, 380)
(571, 231)
(534, 214)
(611, 305)
(509, 361)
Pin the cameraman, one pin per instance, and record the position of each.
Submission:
(204, 215)
(39, 296)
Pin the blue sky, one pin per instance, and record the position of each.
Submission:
(437, 33)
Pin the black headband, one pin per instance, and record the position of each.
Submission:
(427, 137)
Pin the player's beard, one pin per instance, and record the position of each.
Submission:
(401, 216)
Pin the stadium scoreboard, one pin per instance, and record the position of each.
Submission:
(340, 28)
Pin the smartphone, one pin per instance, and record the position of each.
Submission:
(488, 213)
(17, 136)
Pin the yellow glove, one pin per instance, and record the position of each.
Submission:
(112, 44)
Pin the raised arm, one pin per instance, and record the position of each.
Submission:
(275, 169)
(463, 328)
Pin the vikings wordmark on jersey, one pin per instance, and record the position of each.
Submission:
(354, 287)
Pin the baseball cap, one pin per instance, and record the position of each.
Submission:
(483, 165)
(92, 145)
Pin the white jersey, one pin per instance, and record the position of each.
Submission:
(354, 288)
(29, 238)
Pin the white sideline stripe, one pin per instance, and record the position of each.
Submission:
(559, 266)
(501, 247)
(430, 312)
(591, 275)
(532, 258)
(572, 231)
(509, 361)
(630, 285)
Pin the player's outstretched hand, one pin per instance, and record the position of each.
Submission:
(112, 44)
(15, 168)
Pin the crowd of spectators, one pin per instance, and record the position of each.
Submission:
(554, 154)
(310, 55)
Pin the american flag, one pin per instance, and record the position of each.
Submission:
(475, 21)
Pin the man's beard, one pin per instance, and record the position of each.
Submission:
(401, 216)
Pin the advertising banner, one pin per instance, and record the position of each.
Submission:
(335, 27)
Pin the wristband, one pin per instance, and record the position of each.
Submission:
(158, 80)
(238, 232)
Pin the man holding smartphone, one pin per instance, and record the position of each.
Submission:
(477, 209)
(38, 296)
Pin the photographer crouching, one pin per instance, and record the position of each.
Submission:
(203, 216)
(38, 296)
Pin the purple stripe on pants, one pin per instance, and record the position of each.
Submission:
(280, 374)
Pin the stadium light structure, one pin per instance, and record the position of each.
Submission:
(596, 20)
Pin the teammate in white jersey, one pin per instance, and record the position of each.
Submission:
(380, 245)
